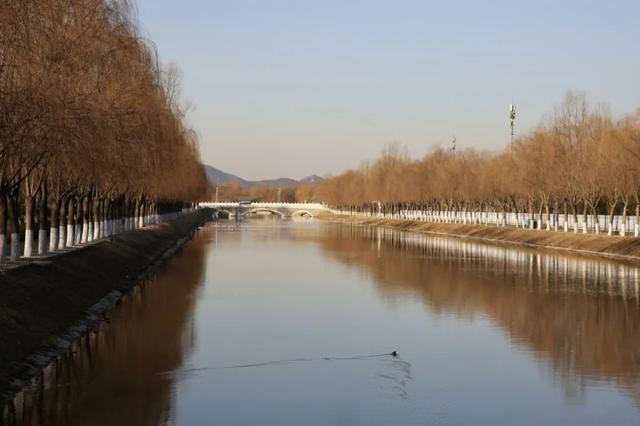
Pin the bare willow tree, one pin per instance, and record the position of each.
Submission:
(579, 164)
(93, 139)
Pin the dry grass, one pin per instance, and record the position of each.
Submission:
(627, 248)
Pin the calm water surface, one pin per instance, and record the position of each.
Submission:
(288, 323)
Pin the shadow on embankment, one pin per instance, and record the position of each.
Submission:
(113, 377)
(581, 317)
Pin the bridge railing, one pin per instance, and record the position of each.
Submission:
(315, 206)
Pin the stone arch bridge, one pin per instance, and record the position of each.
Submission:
(284, 210)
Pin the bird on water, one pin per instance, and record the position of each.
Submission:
(394, 353)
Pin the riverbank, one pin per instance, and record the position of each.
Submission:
(615, 247)
(47, 305)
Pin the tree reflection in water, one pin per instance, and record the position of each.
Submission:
(580, 315)
(117, 370)
(577, 316)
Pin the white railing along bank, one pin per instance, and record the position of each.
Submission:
(557, 222)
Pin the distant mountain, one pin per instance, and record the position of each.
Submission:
(217, 176)
(311, 179)
(220, 177)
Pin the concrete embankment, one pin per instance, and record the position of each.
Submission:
(47, 305)
(615, 247)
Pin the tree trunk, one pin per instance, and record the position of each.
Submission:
(623, 225)
(43, 226)
(596, 221)
(136, 214)
(3, 226)
(540, 216)
(86, 218)
(14, 223)
(29, 204)
(612, 210)
(70, 221)
(53, 225)
(126, 214)
(106, 214)
(62, 225)
(90, 219)
(547, 216)
(96, 218)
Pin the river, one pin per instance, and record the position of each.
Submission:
(293, 323)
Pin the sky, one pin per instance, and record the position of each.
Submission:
(292, 88)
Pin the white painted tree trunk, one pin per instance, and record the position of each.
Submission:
(15, 246)
(62, 238)
(42, 241)
(70, 235)
(89, 231)
(53, 239)
(85, 232)
(636, 231)
(28, 243)
(96, 231)
(597, 227)
(623, 229)
(3, 245)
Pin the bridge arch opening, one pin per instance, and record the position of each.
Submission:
(262, 212)
(222, 214)
(302, 214)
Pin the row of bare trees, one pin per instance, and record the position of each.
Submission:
(92, 136)
(579, 163)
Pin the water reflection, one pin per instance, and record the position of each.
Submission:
(580, 316)
(296, 322)
(111, 376)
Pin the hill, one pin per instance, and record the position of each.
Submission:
(217, 176)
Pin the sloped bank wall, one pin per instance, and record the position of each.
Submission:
(45, 306)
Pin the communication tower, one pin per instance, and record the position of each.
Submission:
(512, 119)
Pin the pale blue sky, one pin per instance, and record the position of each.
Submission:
(291, 88)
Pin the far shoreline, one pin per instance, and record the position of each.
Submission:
(618, 248)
